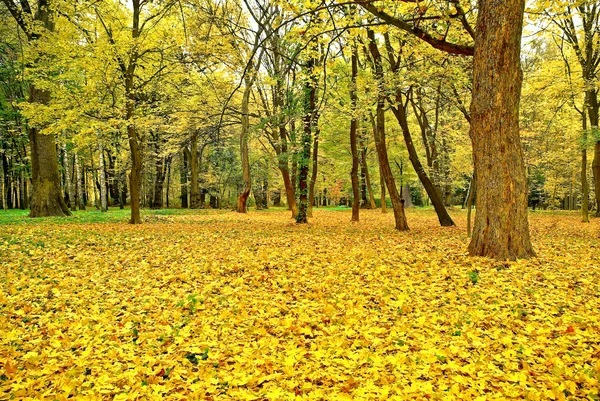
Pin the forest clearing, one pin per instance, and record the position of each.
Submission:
(299, 200)
(225, 306)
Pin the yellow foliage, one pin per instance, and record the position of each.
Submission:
(222, 306)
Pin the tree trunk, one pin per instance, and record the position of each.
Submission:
(103, 194)
(438, 203)
(401, 115)
(591, 103)
(501, 228)
(70, 189)
(365, 167)
(79, 184)
(244, 152)
(584, 182)
(314, 171)
(469, 202)
(354, 139)
(46, 196)
(194, 184)
(183, 179)
(290, 192)
(169, 161)
(380, 144)
(159, 182)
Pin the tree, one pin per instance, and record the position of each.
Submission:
(380, 143)
(354, 137)
(580, 25)
(501, 228)
(46, 196)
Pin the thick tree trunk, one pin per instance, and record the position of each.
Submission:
(354, 139)
(244, 152)
(380, 144)
(501, 228)
(46, 196)
(103, 194)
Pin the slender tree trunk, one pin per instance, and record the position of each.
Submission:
(183, 174)
(244, 152)
(5, 181)
(592, 105)
(354, 139)
(380, 144)
(194, 184)
(383, 201)
(469, 202)
(169, 161)
(159, 182)
(584, 182)
(70, 189)
(306, 138)
(438, 203)
(368, 178)
(501, 228)
(314, 171)
(135, 176)
(382, 186)
(103, 194)
(401, 115)
(290, 192)
(80, 199)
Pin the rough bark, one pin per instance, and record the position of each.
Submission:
(46, 196)
(354, 139)
(501, 228)
(380, 143)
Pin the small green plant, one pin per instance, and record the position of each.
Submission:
(191, 303)
(473, 276)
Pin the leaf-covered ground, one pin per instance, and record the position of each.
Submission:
(221, 306)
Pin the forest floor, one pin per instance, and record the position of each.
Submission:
(220, 306)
